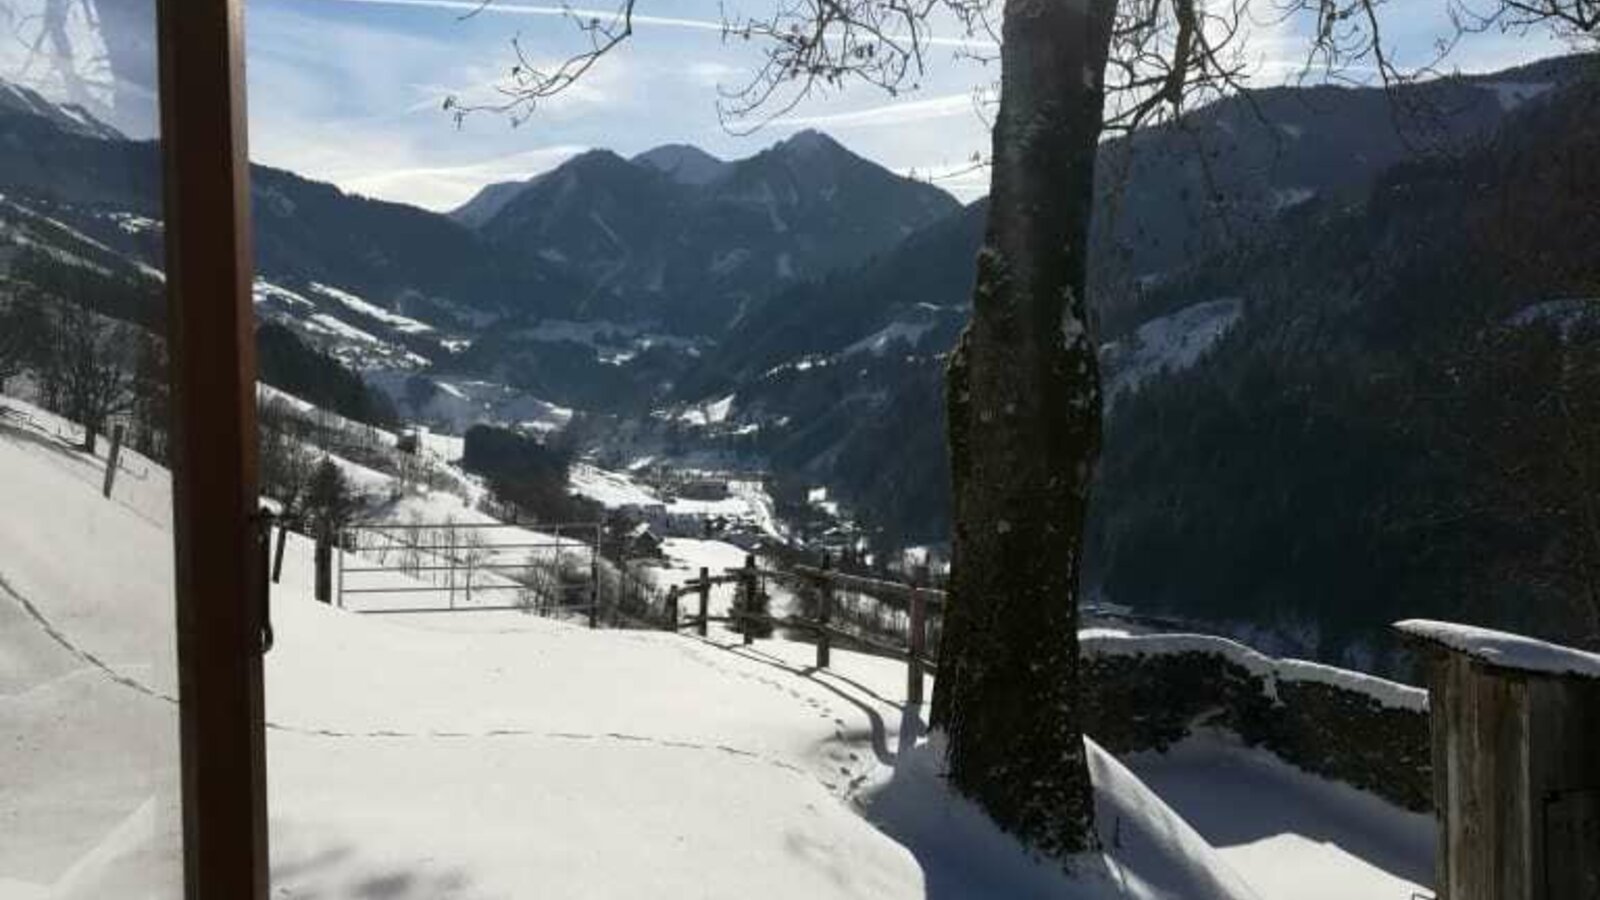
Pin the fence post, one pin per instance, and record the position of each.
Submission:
(324, 565)
(450, 557)
(919, 633)
(594, 577)
(277, 557)
(111, 460)
(672, 609)
(747, 584)
(824, 616)
(705, 600)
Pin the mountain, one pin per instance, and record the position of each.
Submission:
(400, 256)
(1232, 168)
(1226, 174)
(683, 163)
(1273, 402)
(385, 286)
(68, 117)
(488, 202)
(693, 255)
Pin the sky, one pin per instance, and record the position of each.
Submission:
(352, 91)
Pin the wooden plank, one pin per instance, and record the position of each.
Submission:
(211, 337)
(883, 590)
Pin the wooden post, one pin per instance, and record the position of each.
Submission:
(705, 600)
(111, 460)
(672, 610)
(277, 557)
(594, 580)
(747, 584)
(323, 557)
(352, 541)
(824, 616)
(216, 492)
(919, 632)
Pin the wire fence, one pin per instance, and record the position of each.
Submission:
(468, 566)
(558, 570)
(901, 621)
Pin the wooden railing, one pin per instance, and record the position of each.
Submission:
(915, 601)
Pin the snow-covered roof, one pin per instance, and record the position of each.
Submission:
(1505, 650)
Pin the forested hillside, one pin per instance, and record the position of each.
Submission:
(1403, 414)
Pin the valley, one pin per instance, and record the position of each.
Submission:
(782, 320)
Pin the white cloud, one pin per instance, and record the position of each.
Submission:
(445, 187)
(477, 7)
(897, 113)
(470, 7)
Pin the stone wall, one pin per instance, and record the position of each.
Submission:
(1148, 692)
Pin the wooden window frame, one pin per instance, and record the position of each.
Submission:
(211, 334)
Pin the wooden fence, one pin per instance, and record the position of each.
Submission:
(916, 602)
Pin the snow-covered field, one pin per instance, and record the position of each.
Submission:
(747, 501)
(455, 404)
(502, 755)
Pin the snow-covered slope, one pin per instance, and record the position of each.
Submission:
(1170, 343)
(1294, 836)
(488, 755)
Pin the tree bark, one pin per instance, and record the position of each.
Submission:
(1023, 396)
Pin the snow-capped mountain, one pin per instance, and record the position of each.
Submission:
(69, 117)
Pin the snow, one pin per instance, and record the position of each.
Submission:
(265, 291)
(1566, 313)
(446, 447)
(1170, 343)
(501, 755)
(372, 310)
(1286, 198)
(759, 505)
(346, 342)
(880, 341)
(600, 222)
(461, 403)
(132, 223)
(266, 393)
(613, 490)
(1112, 642)
(1512, 94)
(713, 412)
(818, 497)
(1291, 835)
(1503, 650)
(339, 328)
(726, 261)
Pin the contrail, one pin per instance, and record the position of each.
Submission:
(522, 9)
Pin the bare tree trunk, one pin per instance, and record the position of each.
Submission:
(1023, 394)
